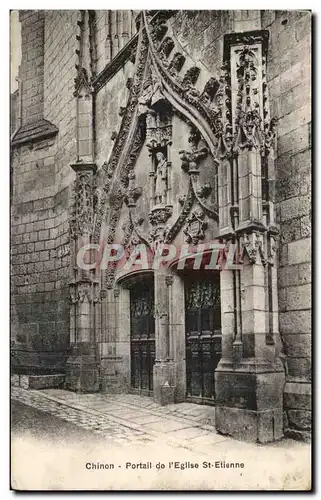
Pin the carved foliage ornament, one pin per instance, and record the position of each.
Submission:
(253, 246)
(82, 216)
(124, 130)
(80, 292)
(82, 85)
(203, 293)
(191, 159)
(160, 215)
(245, 69)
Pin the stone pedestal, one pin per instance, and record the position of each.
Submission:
(164, 382)
(249, 385)
(82, 368)
(249, 403)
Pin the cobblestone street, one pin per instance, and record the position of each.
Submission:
(122, 429)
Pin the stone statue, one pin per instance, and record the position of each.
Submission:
(161, 179)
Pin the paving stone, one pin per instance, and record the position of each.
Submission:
(188, 433)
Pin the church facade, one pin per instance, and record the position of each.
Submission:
(182, 137)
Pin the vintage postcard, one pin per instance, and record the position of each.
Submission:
(160, 250)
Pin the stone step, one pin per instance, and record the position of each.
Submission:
(51, 381)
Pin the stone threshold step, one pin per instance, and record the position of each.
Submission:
(51, 381)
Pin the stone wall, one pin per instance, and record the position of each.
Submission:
(41, 175)
(32, 53)
(14, 111)
(39, 261)
(289, 78)
(200, 34)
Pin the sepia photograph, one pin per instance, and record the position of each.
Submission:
(160, 250)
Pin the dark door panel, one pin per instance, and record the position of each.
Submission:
(142, 335)
(203, 334)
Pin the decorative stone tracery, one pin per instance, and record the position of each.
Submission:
(230, 124)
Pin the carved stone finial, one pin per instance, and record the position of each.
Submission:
(82, 85)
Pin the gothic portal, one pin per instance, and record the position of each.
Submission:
(160, 130)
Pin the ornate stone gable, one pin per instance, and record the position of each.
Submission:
(148, 100)
(154, 96)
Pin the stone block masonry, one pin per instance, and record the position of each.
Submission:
(40, 250)
(32, 69)
(39, 266)
(289, 76)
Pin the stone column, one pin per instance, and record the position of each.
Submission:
(82, 365)
(177, 336)
(249, 378)
(164, 373)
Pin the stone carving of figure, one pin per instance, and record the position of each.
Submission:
(161, 179)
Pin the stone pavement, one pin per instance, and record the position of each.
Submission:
(134, 429)
(126, 419)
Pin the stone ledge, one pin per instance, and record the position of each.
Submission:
(38, 381)
(32, 132)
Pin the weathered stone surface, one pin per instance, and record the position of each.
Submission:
(297, 395)
(297, 345)
(44, 317)
(299, 297)
(299, 251)
(300, 419)
(299, 368)
(295, 322)
(38, 381)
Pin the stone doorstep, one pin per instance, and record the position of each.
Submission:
(38, 381)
